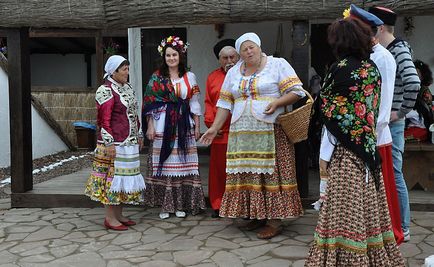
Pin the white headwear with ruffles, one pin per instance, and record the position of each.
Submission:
(113, 64)
(249, 36)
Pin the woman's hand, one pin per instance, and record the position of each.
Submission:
(141, 143)
(208, 136)
(150, 133)
(323, 165)
(197, 133)
(111, 151)
(271, 108)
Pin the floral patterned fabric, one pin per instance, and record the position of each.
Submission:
(100, 181)
(349, 106)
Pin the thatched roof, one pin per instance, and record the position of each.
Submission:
(100, 14)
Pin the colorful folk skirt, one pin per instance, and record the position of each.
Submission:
(179, 186)
(261, 179)
(354, 226)
(116, 179)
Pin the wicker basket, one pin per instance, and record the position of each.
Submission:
(295, 123)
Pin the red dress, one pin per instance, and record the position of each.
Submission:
(217, 168)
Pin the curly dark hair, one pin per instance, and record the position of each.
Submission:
(425, 72)
(350, 37)
(182, 67)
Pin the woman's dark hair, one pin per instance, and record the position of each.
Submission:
(425, 73)
(182, 67)
(350, 37)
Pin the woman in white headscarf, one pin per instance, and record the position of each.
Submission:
(115, 177)
(261, 181)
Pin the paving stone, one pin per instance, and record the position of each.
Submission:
(35, 251)
(409, 250)
(125, 254)
(179, 230)
(292, 242)
(82, 224)
(28, 246)
(157, 264)
(417, 230)
(21, 229)
(253, 243)
(304, 238)
(140, 227)
(20, 218)
(202, 236)
(426, 249)
(165, 225)
(94, 246)
(22, 211)
(110, 248)
(153, 231)
(149, 246)
(59, 243)
(51, 216)
(91, 211)
(191, 257)
(299, 263)
(6, 245)
(278, 238)
(205, 265)
(240, 240)
(2, 233)
(60, 252)
(217, 222)
(7, 257)
(79, 260)
(146, 239)
(139, 259)
(65, 227)
(16, 237)
(108, 236)
(254, 252)
(162, 256)
(37, 258)
(126, 238)
(272, 262)
(224, 259)
(197, 230)
(39, 223)
(221, 243)
(10, 265)
(259, 259)
(96, 233)
(189, 223)
(291, 252)
(45, 233)
(230, 233)
(306, 221)
(301, 229)
(132, 245)
(118, 263)
(185, 244)
(4, 225)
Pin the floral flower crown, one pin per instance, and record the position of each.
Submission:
(173, 41)
(346, 13)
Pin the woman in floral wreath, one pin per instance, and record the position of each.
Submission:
(171, 109)
(354, 227)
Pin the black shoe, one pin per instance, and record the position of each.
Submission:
(215, 214)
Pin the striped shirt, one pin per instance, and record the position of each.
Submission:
(407, 82)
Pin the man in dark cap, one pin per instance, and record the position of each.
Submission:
(227, 56)
(387, 66)
(407, 86)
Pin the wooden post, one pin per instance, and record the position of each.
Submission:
(20, 109)
(300, 62)
(99, 56)
(135, 58)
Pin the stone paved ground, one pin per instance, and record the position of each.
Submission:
(75, 237)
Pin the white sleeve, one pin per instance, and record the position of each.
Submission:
(288, 79)
(387, 68)
(327, 148)
(226, 99)
(195, 107)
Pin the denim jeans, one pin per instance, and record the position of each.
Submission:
(397, 131)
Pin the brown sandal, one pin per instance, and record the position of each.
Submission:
(269, 232)
(253, 225)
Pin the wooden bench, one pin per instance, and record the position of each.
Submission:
(418, 165)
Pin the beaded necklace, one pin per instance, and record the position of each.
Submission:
(242, 87)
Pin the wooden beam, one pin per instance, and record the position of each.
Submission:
(99, 55)
(300, 63)
(45, 114)
(20, 110)
(70, 89)
(56, 32)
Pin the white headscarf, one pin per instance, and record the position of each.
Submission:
(249, 36)
(113, 64)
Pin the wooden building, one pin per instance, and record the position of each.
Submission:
(25, 19)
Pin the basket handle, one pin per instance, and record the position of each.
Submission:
(308, 95)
